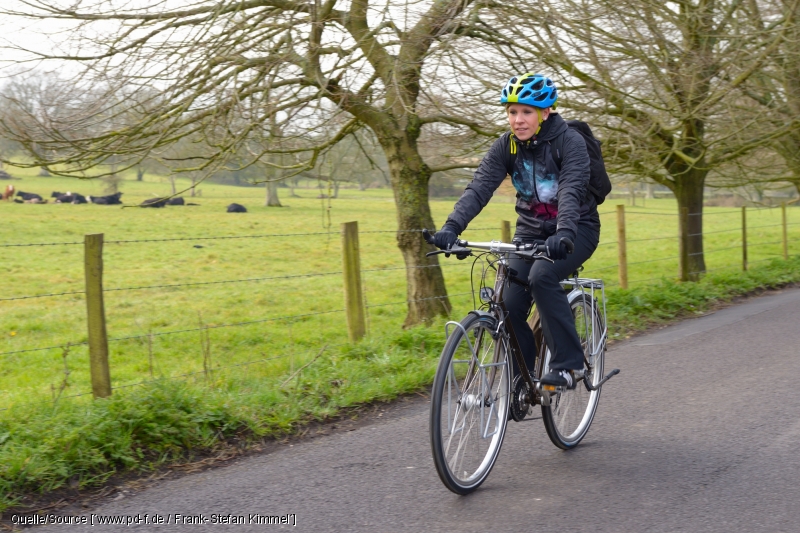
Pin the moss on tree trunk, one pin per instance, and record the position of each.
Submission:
(425, 288)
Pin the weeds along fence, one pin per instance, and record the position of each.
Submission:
(314, 291)
(647, 243)
(123, 322)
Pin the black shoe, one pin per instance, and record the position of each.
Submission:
(559, 378)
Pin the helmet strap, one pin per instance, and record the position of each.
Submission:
(539, 112)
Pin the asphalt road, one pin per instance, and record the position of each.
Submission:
(699, 432)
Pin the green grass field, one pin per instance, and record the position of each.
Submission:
(261, 372)
(311, 253)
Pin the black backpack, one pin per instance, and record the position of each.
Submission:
(599, 182)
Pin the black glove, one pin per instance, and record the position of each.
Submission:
(446, 237)
(558, 245)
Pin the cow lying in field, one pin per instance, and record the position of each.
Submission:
(154, 202)
(237, 208)
(29, 198)
(111, 199)
(68, 198)
(9, 192)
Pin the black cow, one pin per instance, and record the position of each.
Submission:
(111, 199)
(30, 197)
(178, 200)
(69, 198)
(154, 202)
(237, 208)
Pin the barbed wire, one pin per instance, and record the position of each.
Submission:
(648, 279)
(764, 226)
(223, 237)
(652, 214)
(653, 239)
(58, 347)
(716, 231)
(419, 300)
(716, 250)
(714, 213)
(41, 296)
(243, 280)
(592, 270)
(654, 260)
(218, 326)
(191, 284)
(9, 245)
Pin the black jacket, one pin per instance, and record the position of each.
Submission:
(544, 193)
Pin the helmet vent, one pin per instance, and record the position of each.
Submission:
(525, 94)
(538, 85)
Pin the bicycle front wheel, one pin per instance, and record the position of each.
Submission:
(570, 413)
(469, 404)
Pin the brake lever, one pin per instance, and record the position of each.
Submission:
(531, 255)
(458, 251)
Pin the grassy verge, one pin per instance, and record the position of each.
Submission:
(83, 443)
(635, 310)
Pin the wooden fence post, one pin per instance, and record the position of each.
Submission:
(96, 316)
(744, 238)
(353, 297)
(785, 234)
(622, 247)
(505, 231)
(683, 243)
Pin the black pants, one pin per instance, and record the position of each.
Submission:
(558, 324)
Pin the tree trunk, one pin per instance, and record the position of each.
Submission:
(688, 189)
(272, 199)
(172, 182)
(139, 174)
(425, 289)
(650, 191)
(43, 172)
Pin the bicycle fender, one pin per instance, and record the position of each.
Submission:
(487, 318)
(577, 292)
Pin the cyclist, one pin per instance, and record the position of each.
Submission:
(554, 205)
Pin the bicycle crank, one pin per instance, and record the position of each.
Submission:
(608, 376)
(549, 390)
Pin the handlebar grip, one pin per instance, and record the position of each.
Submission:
(568, 244)
(427, 236)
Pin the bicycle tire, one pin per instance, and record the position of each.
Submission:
(469, 404)
(570, 414)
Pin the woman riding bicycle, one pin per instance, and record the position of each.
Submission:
(554, 205)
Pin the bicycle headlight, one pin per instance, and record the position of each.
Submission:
(486, 294)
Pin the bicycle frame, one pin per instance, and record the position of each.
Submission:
(586, 286)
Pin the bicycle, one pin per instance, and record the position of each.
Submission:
(474, 393)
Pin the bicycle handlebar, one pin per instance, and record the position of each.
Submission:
(462, 248)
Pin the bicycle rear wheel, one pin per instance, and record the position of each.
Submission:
(570, 413)
(469, 405)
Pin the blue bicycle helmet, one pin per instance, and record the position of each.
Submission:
(530, 89)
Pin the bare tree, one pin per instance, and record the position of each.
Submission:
(776, 91)
(663, 82)
(326, 68)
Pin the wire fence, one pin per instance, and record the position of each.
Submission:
(381, 281)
